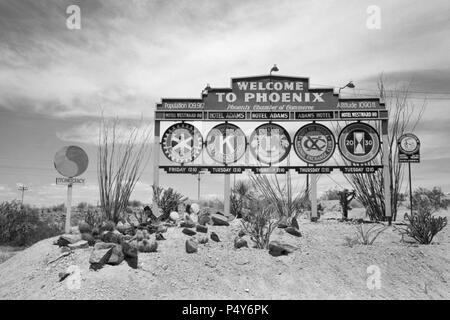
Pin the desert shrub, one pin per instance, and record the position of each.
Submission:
(421, 225)
(21, 225)
(167, 199)
(211, 203)
(241, 195)
(367, 236)
(331, 194)
(259, 223)
(135, 204)
(59, 208)
(84, 227)
(82, 205)
(94, 217)
(108, 226)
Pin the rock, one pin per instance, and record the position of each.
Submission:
(159, 237)
(121, 227)
(214, 237)
(84, 228)
(195, 208)
(294, 223)
(117, 255)
(82, 244)
(203, 240)
(66, 239)
(219, 220)
(74, 230)
(277, 248)
(95, 233)
(240, 243)
(89, 238)
(191, 246)
(99, 257)
(133, 221)
(161, 229)
(127, 237)
(147, 246)
(107, 226)
(187, 224)
(139, 235)
(241, 233)
(112, 237)
(293, 231)
(63, 275)
(204, 216)
(103, 245)
(174, 216)
(130, 253)
(201, 228)
(189, 232)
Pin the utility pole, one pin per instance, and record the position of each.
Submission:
(22, 188)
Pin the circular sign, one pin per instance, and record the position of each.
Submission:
(359, 142)
(71, 161)
(409, 143)
(314, 143)
(226, 143)
(270, 143)
(182, 143)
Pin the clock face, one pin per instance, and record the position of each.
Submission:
(409, 144)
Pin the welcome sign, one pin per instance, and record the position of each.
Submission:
(270, 98)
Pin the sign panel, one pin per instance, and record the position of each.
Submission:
(314, 143)
(270, 143)
(226, 143)
(66, 181)
(359, 142)
(71, 161)
(408, 148)
(182, 143)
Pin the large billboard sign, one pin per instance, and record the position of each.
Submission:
(269, 100)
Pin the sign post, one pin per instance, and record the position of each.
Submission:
(409, 151)
(70, 161)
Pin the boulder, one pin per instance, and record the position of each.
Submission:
(121, 227)
(214, 237)
(187, 224)
(240, 243)
(241, 233)
(191, 245)
(203, 240)
(66, 239)
(130, 253)
(195, 208)
(294, 223)
(204, 216)
(174, 216)
(103, 245)
(82, 244)
(161, 229)
(201, 228)
(117, 255)
(277, 248)
(159, 237)
(99, 257)
(293, 231)
(189, 232)
(112, 237)
(219, 220)
(84, 228)
(147, 246)
(89, 238)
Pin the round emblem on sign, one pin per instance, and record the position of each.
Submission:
(226, 143)
(359, 142)
(270, 143)
(314, 143)
(182, 143)
(71, 161)
(409, 143)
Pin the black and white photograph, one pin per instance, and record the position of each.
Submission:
(224, 154)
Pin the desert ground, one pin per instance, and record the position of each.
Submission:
(324, 266)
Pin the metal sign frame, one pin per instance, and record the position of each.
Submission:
(273, 99)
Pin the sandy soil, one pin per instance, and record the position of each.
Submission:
(324, 267)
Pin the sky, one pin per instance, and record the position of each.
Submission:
(55, 82)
